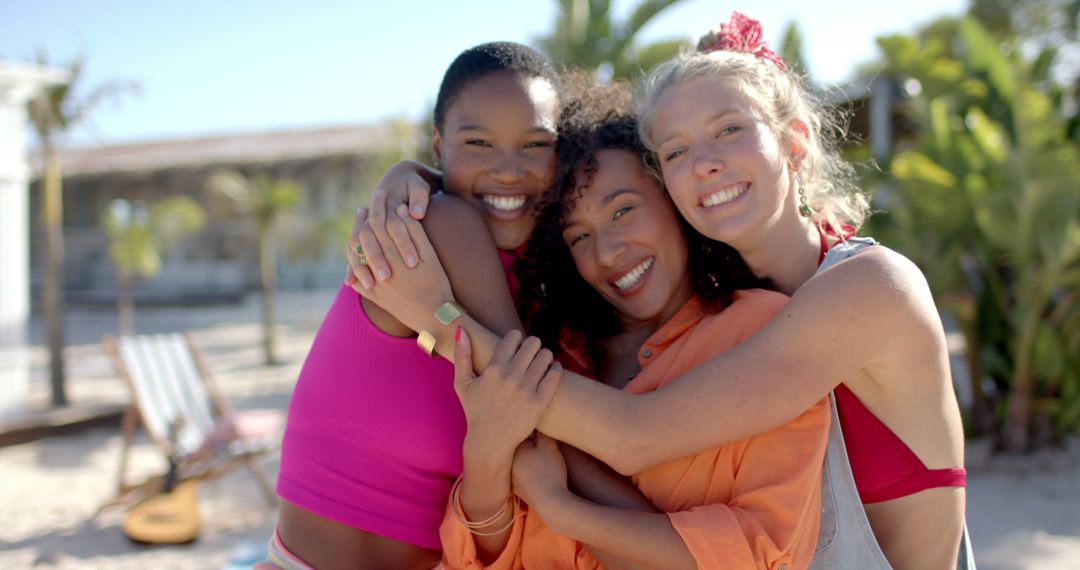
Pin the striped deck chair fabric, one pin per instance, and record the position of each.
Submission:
(171, 388)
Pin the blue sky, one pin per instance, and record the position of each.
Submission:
(223, 66)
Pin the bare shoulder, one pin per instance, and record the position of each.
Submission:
(879, 295)
(877, 276)
(447, 212)
(457, 231)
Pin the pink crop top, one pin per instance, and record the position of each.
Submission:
(375, 429)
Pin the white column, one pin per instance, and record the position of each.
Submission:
(18, 84)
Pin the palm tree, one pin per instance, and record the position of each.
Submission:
(265, 199)
(585, 36)
(138, 235)
(54, 112)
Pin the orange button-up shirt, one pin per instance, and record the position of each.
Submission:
(753, 503)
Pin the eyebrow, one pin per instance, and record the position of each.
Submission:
(544, 130)
(611, 197)
(712, 118)
(603, 203)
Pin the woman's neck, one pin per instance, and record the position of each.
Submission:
(787, 254)
(619, 364)
(620, 350)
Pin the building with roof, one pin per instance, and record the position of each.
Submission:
(332, 165)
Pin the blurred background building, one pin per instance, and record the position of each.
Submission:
(218, 263)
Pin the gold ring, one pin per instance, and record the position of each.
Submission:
(360, 254)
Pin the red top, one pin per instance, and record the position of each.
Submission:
(883, 466)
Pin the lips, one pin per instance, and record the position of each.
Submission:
(629, 280)
(724, 195)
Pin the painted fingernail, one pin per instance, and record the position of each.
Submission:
(457, 335)
(418, 210)
(367, 282)
(411, 261)
(402, 210)
(384, 274)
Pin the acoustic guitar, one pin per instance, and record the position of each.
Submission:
(171, 516)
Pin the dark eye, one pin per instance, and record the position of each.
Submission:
(539, 144)
(621, 212)
(477, 142)
(673, 155)
(575, 238)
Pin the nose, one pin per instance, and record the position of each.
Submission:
(506, 168)
(609, 249)
(707, 162)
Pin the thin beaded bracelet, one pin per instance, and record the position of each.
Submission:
(475, 526)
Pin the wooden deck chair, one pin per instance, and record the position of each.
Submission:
(171, 388)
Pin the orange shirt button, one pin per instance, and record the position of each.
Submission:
(647, 353)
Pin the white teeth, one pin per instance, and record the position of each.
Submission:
(724, 196)
(630, 279)
(507, 203)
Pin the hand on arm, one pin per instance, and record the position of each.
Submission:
(502, 406)
(590, 415)
(463, 243)
(407, 182)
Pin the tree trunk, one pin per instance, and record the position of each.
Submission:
(267, 282)
(982, 410)
(1018, 408)
(52, 297)
(125, 303)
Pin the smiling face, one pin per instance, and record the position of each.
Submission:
(626, 241)
(723, 165)
(496, 149)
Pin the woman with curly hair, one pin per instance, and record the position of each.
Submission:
(633, 296)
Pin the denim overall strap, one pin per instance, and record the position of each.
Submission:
(846, 539)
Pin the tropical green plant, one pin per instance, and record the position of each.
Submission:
(265, 200)
(791, 50)
(986, 203)
(586, 36)
(55, 111)
(138, 236)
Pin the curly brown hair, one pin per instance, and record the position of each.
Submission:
(560, 299)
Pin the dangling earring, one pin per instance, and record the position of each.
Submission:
(804, 208)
